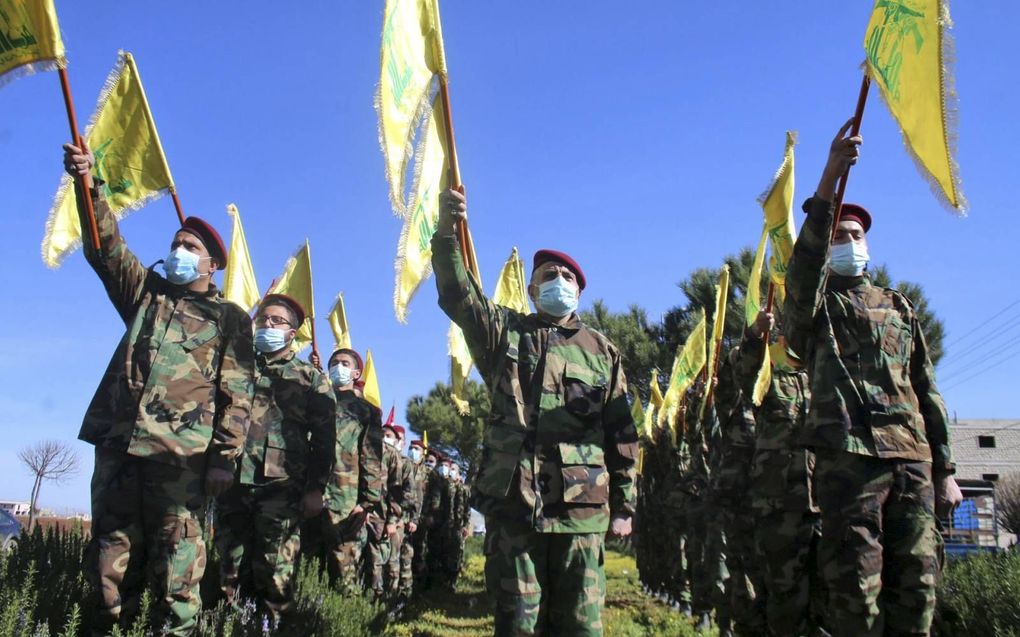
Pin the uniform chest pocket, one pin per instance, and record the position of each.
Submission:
(584, 393)
(202, 332)
(896, 336)
(585, 478)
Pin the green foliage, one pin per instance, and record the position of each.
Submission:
(980, 595)
(638, 340)
(448, 430)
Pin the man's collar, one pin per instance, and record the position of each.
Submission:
(287, 356)
(573, 323)
(839, 282)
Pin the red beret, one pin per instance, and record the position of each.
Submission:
(398, 429)
(350, 352)
(853, 212)
(391, 427)
(272, 299)
(418, 443)
(209, 238)
(555, 256)
(436, 453)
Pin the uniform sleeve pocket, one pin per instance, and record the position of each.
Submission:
(201, 337)
(585, 478)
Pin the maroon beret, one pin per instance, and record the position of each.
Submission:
(555, 256)
(418, 443)
(436, 453)
(398, 429)
(350, 352)
(209, 238)
(853, 212)
(272, 299)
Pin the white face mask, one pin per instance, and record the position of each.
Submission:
(557, 297)
(850, 258)
(390, 441)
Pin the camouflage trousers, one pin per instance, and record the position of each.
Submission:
(345, 539)
(407, 555)
(258, 542)
(377, 555)
(551, 584)
(706, 560)
(453, 552)
(743, 563)
(672, 551)
(879, 543)
(397, 542)
(787, 543)
(146, 532)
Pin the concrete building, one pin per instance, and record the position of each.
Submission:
(14, 507)
(985, 449)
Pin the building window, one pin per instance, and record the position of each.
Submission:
(986, 442)
(990, 477)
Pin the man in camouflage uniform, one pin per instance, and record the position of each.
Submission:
(559, 448)
(402, 537)
(383, 527)
(729, 491)
(440, 517)
(168, 420)
(456, 528)
(285, 467)
(706, 543)
(413, 520)
(877, 422)
(787, 523)
(433, 517)
(355, 488)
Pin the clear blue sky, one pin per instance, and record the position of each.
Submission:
(636, 136)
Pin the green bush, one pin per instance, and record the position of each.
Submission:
(980, 595)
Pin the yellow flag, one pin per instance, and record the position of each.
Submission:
(371, 387)
(338, 323)
(648, 420)
(29, 39)
(410, 59)
(296, 282)
(239, 283)
(641, 461)
(129, 160)
(425, 438)
(777, 204)
(637, 413)
(689, 362)
(654, 402)
(718, 327)
(512, 288)
(414, 252)
(909, 56)
(752, 305)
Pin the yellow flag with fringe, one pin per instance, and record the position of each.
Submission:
(370, 390)
(239, 284)
(718, 328)
(512, 287)
(414, 251)
(30, 39)
(129, 160)
(637, 412)
(777, 204)
(296, 282)
(752, 306)
(410, 59)
(338, 323)
(909, 55)
(689, 362)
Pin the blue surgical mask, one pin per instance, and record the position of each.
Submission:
(181, 266)
(416, 454)
(339, 375)
(850, 258)
(557, 297)
(270, 339)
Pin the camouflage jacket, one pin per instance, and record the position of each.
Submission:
(358, 477)
(872, 383)
(730, 478)
(416, 498)
(412, 502)
(178, 388)
(782, 468)
(432, 512)
(460, 516)
(394, 494)
(292, 433)
(560, 443)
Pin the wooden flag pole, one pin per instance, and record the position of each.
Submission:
(855, 129)
(83, 182)
(467, 249)
(771, 297)
(177, 205)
